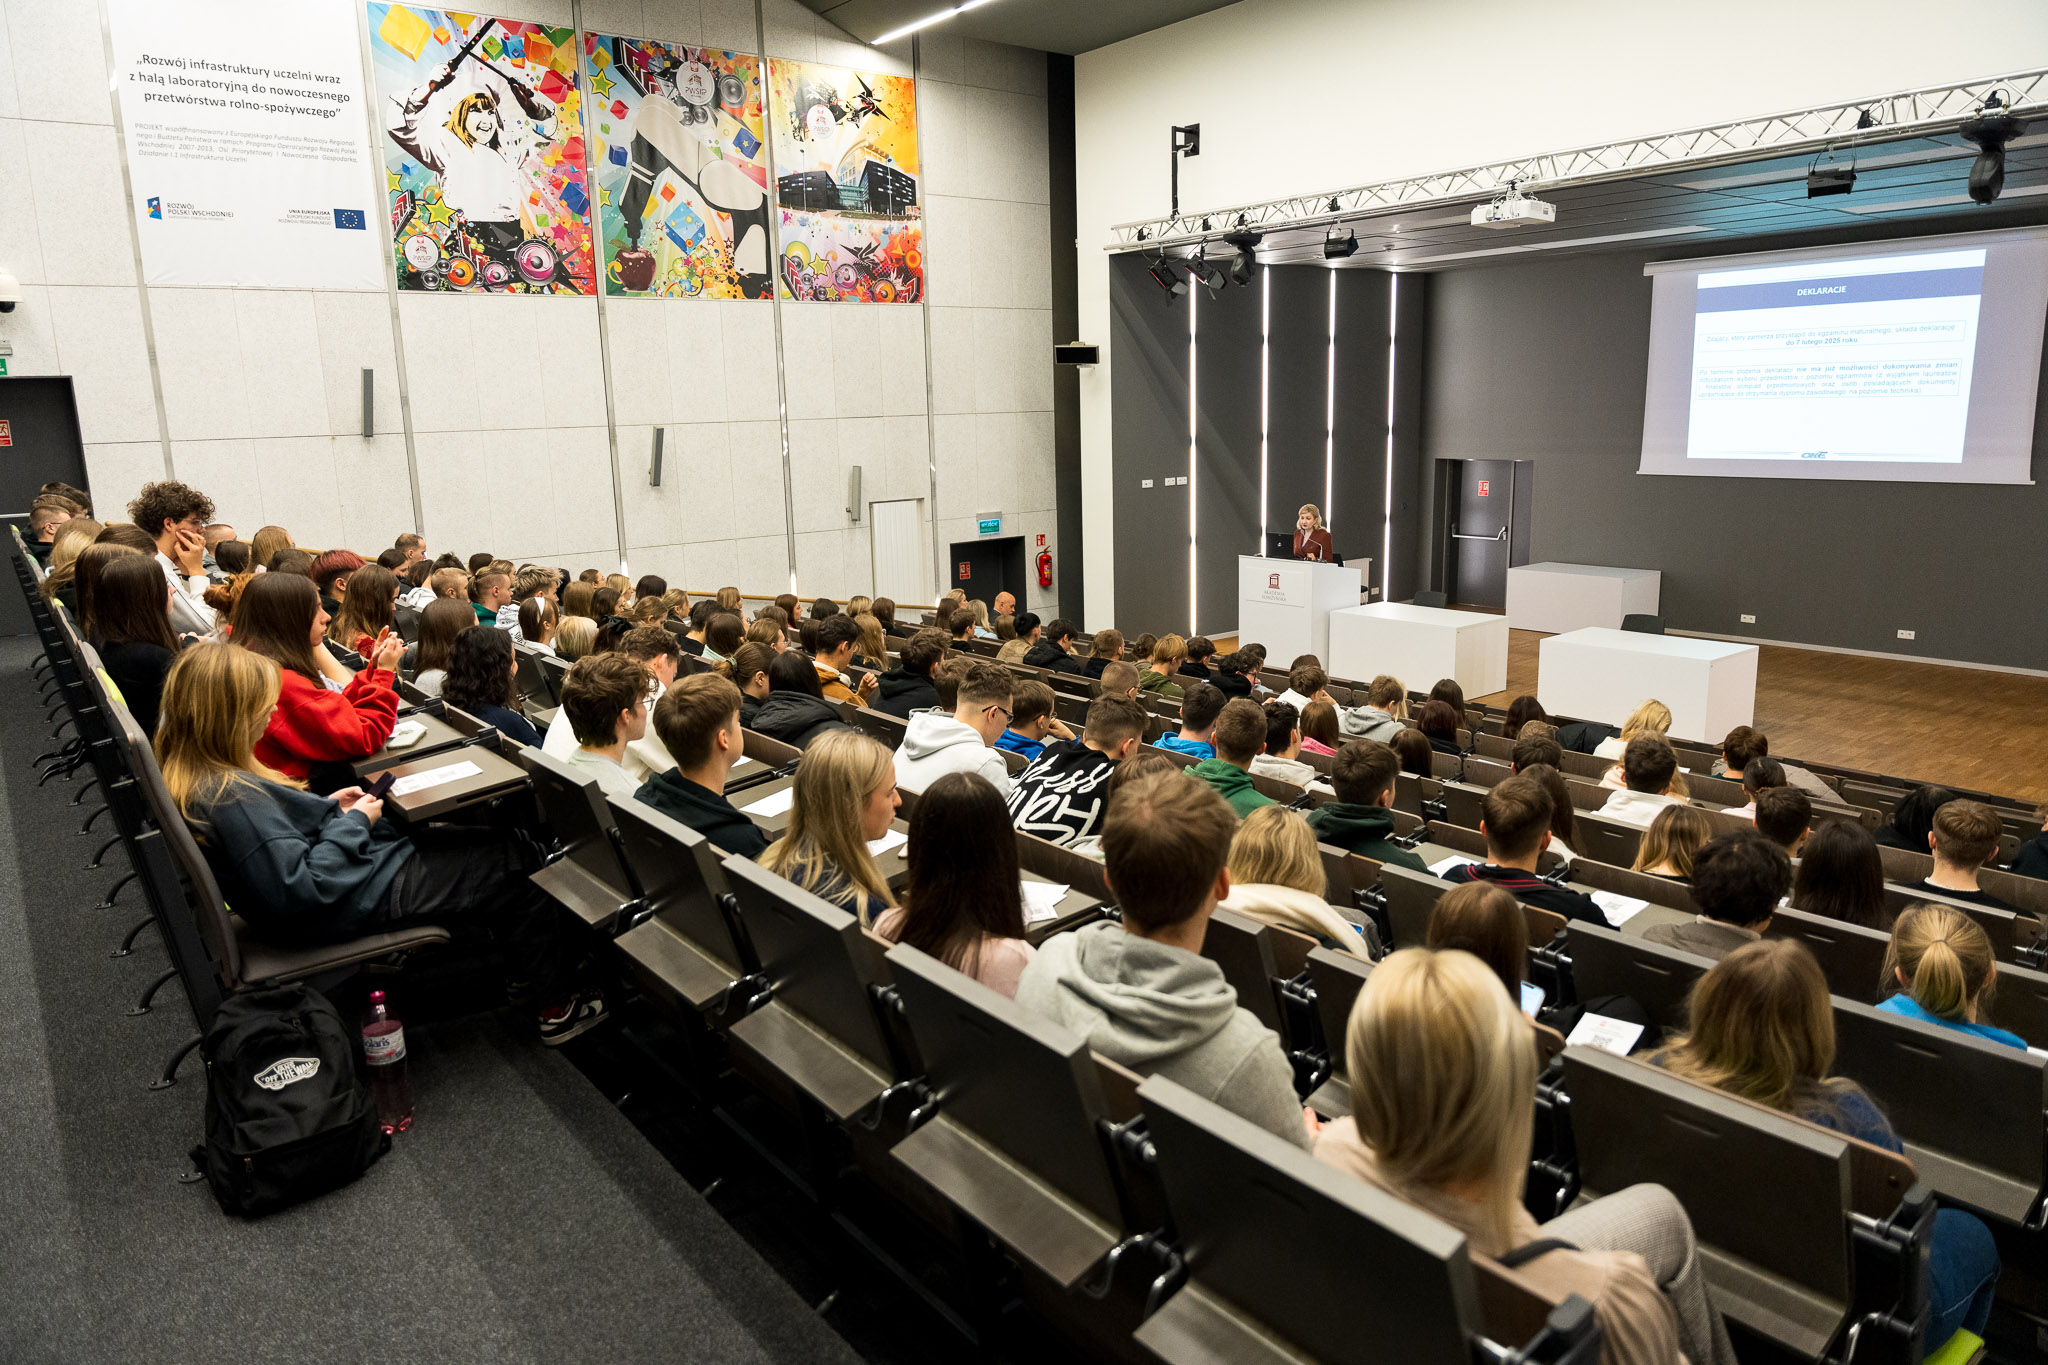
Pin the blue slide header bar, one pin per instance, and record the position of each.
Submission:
(1906, 284)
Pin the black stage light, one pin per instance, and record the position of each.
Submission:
(1245, 265)
(1170, 279)
(1209, 274)
(1336, 248)
(1822, 181)
(1990, 130)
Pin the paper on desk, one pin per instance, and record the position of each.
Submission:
(775, 803)
(1042, 901)
(893, 839)
(405, 734)
(1609, 1035)
(745, 765)
(1618, 909)
(435, 777)
(1455, 860)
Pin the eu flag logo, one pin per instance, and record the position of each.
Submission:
(349, 218)
(156, 208)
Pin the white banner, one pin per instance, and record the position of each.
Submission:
(248, 154)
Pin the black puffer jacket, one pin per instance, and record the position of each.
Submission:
(796, 718)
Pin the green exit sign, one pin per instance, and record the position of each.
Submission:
(3, 367)
(990, 526)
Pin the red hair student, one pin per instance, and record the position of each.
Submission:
(326, 717)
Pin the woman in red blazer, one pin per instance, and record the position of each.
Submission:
(316, 729)
(1311, 540)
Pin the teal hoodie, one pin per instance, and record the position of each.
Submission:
(1232, 783)
(1365, 830)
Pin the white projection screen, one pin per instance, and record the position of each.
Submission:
(1914, 360)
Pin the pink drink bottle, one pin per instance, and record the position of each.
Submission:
(384, 1050)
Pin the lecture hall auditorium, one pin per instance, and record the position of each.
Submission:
(902, 681)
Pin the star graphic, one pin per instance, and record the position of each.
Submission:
(439, 214)
(600, 84)
(391, 180)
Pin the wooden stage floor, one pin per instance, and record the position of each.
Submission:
(1964, 726)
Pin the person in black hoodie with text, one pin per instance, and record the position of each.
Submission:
(796, 711)
(908, 686)
(1061, 795)
(1515, 819)
(698, 719)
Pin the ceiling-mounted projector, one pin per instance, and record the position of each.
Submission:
(1514, 209)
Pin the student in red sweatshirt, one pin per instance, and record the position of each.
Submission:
(326, 717)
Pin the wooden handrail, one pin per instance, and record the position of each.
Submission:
(695, 593)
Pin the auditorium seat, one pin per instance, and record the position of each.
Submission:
(1643, 624)
(584, 872)
(1850, 956)
(684, 945)
(1603, 962)
(1429, 599)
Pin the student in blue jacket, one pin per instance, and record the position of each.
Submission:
(1940, 964)
(307, 869)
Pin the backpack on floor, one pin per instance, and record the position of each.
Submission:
(287, 1117)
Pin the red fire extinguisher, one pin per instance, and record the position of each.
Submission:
(1045, 568)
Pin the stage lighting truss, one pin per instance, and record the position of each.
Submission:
(1928, 111)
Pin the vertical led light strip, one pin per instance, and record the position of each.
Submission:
(1193, 294)
(1387, 494)
(1330, 412)
(1265, 407)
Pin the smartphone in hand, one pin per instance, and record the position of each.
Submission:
(375, 791)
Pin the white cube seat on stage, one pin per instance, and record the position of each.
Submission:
(1285, 604)
(1600, 674)
(1420, 645)
(1555, 598)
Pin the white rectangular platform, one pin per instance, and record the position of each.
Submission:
(1599, 674)
(1420, 645)
(1555, 598)
(1285, 604)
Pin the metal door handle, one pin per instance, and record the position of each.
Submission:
(1456, 536)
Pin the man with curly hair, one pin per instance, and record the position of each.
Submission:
(175, 515)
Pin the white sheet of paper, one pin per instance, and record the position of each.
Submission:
(892, 839)
(745, 765)
(1609, 1035)
(405, 734)
(1042, 901)
(434, 777)
(775, 803)
(1619, 909)
(1455, 860)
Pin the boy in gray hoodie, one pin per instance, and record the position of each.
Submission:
(1139, 991)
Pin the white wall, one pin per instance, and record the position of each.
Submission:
(1296, 96)
(511, 432)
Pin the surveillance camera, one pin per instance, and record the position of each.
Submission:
(10, 292)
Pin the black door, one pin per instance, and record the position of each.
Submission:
(39, 442)
(987, 567)
(1481, 514)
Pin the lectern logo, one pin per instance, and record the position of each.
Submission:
(1272, 580)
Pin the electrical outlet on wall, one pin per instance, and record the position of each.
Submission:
(1748, 620)
(1905, 635)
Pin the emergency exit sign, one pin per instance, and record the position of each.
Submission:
(1484, 484)
(990, 526)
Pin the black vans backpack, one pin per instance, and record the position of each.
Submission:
(287, 1117)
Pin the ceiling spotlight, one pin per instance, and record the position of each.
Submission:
(1990, 130)
(1245, 265)
(1833, 178)
(1208, 274)
(1143, 234)
(1170, 279)
(1336, 248)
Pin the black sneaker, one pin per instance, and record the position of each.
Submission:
(573, 1018)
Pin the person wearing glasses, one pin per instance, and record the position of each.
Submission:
(936, 743)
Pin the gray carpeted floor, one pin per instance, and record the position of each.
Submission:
(523, 1219)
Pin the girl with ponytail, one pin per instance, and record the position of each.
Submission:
(1940, 964)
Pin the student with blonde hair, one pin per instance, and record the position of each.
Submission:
(844, 799)
(874, 648)
(575, 636)
(306, 869)
(1653, 717)
(266, 544)
(1441, 1072)
(1277, 877)
(1941, 968)
(1673, 838)
(728, 598)
(1167, 654)
(1763, 1028)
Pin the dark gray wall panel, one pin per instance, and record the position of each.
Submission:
(1148, 337)
(1410, 481)
(1226, 451)
(1545, 361)
(1298, 366)
(1358, 504)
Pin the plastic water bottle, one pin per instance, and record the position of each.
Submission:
(384, 1051)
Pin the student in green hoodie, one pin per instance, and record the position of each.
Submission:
(1169, 652)
(1240, 738)
(1361, 819)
